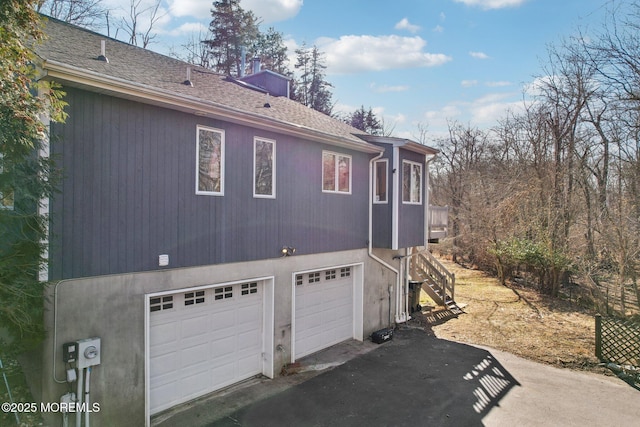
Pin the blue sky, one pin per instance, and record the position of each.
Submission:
(415, 62)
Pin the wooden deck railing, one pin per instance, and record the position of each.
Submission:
(430, 270)
(438, 222)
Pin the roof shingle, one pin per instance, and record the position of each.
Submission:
(77, 48)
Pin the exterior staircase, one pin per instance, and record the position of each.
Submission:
(437, 281)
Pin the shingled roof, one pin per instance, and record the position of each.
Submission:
(70, 55)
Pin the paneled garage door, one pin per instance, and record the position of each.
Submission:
(203, 340)
(323, 309)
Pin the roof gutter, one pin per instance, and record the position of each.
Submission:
(54, 70)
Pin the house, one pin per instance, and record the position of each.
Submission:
(208, 230)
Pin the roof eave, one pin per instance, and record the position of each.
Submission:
(407, 144)
(97, 82)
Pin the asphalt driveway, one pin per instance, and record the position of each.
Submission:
(419, 380)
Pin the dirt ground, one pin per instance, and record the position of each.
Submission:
(514, 319)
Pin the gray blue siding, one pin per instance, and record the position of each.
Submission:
(128, 194)
(411, 217)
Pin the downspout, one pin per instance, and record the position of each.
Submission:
(370, 246)
(427, 211)
(406, 285)
(407, 256)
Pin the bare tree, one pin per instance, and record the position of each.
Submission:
(193, 51)
(139, 10)
(85, 13)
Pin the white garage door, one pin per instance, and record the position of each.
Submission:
(203, 340)
(323, 309)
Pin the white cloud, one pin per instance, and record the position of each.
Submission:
(483, 112)
(352, 54)
(267, 11)
(404, 24)
(189, 28)
(492, 4)
(438, 119)
(487, 110)
(398, 119)
(438, 29)
(479, 55)
(468, 83)
(194, 8)
(386, 88)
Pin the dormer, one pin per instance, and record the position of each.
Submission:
(271, 82)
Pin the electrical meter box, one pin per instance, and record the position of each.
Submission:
(88, 352)
(69, 352)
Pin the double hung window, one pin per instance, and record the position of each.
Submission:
(380, 180)
(336, 173)
(411, 182)
(264, 172)
(210, 161)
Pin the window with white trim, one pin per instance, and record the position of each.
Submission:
(380, 181)
(6, 197)
(336, 173)
(411, 182)
(264, 168)
(210, 161)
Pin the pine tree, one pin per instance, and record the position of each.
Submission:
(365, 121)
(312, 89)
(271, 49)
(231, 29)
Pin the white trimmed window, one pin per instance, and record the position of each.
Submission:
(411, 182)
(6, 198)
(210, 161)
(380, 181)
(264, 168)
(336, 173)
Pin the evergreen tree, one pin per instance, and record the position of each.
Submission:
(231, 29)
(272, 51)
(25, 177)
(365, 121)
(312, 89)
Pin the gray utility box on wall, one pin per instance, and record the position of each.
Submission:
(88, 352)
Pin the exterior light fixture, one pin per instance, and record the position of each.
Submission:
(287, 251)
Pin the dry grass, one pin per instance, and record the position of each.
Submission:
(520, 321)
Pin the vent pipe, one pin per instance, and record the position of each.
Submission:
(256, 65)
(103, 52)
(188, 81)
(243, 60)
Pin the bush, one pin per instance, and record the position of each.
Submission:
(534, 257)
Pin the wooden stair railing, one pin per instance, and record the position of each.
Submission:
(440, 281)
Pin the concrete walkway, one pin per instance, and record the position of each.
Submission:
(418, 380)
(549, 396)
